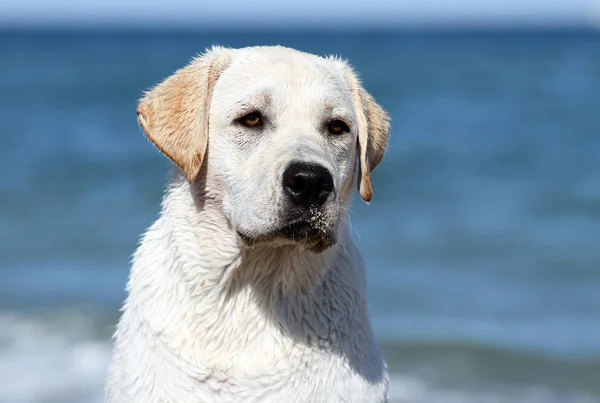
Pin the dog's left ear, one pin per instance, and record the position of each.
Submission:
(174, 115)
(373, 133)
(373, 137)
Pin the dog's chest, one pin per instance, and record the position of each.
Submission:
(303, 376)
(304, 362)
(247, 358)
(176, 345)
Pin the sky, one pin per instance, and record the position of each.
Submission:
(325, 13)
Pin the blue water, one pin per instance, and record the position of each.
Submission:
(482, 240)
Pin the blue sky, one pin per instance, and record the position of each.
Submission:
(331, 13)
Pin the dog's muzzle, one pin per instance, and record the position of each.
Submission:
(308, 187)
(307, 217)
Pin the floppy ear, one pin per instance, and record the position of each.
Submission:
(174, 114)
(373, 133)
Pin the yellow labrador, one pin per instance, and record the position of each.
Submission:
(248, 287)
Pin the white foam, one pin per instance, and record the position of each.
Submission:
(41, 364)
(60, 360)
(407, 389)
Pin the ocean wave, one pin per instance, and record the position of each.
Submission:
(41, 362)
(63, 359)
(407, 389)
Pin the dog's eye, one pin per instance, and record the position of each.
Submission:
(253, 119)
(337, 127)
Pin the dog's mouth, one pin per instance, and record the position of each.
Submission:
(303, 233)
(310, 236)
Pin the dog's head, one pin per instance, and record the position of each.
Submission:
(277, 132)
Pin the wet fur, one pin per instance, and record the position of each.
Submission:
(222, 305)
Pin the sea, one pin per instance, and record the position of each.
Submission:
(482, 240)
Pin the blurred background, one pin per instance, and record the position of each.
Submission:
(482, 240)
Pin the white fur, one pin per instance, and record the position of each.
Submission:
(210, 319)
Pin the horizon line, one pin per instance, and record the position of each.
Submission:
(231, 26)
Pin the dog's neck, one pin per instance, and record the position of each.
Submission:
(222, 292)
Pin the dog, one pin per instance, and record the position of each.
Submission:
(248, 287)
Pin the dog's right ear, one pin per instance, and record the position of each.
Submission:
(174, 114)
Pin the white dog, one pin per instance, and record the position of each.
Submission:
(248, 287)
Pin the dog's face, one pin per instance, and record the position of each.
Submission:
(282, 138)
(280, 130)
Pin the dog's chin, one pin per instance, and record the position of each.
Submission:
(300, 233)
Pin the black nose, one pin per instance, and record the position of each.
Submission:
(307, 184)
